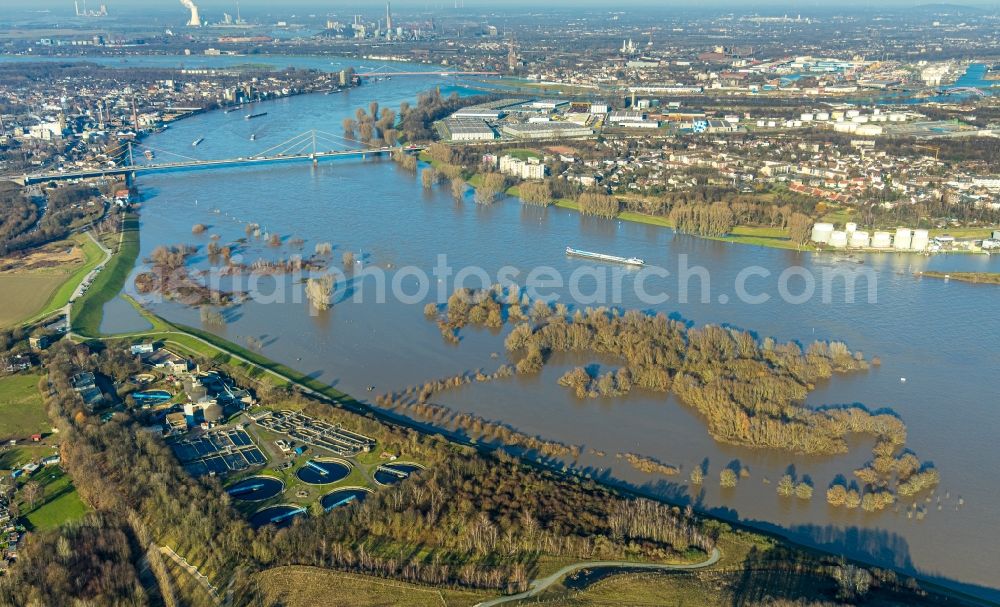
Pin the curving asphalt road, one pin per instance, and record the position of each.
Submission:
(539, 585)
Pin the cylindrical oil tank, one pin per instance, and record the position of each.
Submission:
(838, 239)
(920, 240)
(902, 239)
(859, 240)
(881, 240)
(851, 227)
(821, 232)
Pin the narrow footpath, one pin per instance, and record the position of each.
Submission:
(540, 585)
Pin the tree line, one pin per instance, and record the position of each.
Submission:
(484, 519)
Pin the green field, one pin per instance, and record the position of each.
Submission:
(15, 457)
(22, 412)
(60, 504)
(306, 586)
(88, 310)
(34, 295)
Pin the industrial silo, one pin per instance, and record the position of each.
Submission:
(851, 228)
(821, 232)
(859, 240)
(838, 239)
(920, 240)
(881, 240)
(902, 240)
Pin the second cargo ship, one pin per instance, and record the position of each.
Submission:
(631, 261)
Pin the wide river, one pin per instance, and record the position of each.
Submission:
(941, 336)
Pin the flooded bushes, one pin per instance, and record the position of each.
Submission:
(716, 219)
(600, 205)
(536, 193)
(750, 392)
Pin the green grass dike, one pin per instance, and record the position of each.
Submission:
(88, 310)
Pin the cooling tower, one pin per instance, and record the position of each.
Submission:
(195, 20)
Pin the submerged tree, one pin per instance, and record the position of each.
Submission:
(319, 291)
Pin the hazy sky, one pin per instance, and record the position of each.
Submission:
(341, 5)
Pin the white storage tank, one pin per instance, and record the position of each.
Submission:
(821, 232)
(920, 240)
(881, 240)
(806, 117)
(823, 116)
(902, 240)
(838, 239)
(860, 240)
(851, 227)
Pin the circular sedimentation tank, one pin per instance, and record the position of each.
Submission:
(390, 474)
(256, 489)
(344, 497)
(279, 516)
(323, 471)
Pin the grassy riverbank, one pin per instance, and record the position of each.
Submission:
(983, 278)
(776, 238)
(88, 310)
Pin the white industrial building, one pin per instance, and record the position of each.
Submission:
(466, 129)
(546, 130)
(618, 116)
(479, 112)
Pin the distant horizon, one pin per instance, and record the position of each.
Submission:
(325, 6)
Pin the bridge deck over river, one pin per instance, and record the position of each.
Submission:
(135, 169)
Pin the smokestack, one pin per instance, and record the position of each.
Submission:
(195, 20)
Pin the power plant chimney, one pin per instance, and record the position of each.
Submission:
(195, 20)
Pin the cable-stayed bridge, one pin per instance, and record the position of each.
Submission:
(313, 146)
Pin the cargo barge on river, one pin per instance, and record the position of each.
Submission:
(631, 261)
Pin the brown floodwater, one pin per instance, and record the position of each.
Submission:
(941, 336)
